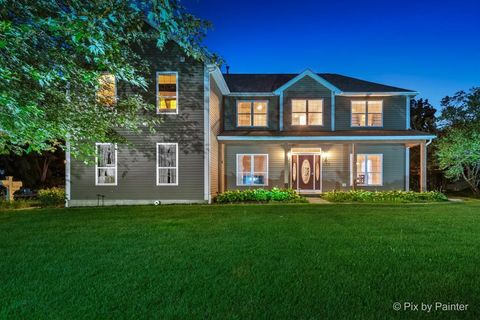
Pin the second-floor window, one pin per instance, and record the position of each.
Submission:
(367, 113)
(107, 91)
(307, 112)
(252, 113)
(167, 92)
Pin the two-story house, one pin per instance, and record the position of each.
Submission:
(313, 132)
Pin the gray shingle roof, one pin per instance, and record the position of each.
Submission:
(243, 82)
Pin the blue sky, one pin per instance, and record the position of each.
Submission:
(429, 46)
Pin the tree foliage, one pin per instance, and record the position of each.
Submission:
(52, 53)
(459, 154)
(423, 116)
(462, 108)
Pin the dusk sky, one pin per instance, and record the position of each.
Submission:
(429, 46)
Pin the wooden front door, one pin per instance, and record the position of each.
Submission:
(306, 172)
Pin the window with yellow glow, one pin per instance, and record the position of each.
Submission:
(307, 112)
(107, 91)
(367, 113)
(252, 169)
(167, 92)
(252, 113)
(369, 169)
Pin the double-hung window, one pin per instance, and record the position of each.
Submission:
(252, 113)
(106, 164)
(167, 92)
(252, 169)
(307, 112)
(367, 113)
(107, 89)
(167, 164)
(369, 169)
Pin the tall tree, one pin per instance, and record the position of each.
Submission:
(463, 108)
(52, 53)
(423, 116)
(459, 154)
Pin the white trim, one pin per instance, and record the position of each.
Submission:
(176, 164)
(251, 94)
(97, 168)
(366, 172)
(313, 153)
(67, 173)
(378, 94)
(407, 168)
(322, 138)
(252, 169)
(312, 75)
(156, 92)
(219, 79)
(407, 110)
(206, 136)
(307, 112)
(332, 120)
(281, 111)
(252, 113)
(367, 102)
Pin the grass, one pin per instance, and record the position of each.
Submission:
(240, 261)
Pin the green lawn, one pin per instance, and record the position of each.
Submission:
(240, 262)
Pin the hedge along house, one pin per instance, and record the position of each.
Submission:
(309, 131)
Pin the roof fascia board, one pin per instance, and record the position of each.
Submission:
(311, 74)
(219, 80)
(325, 138)
(378, 94)
(247, 94)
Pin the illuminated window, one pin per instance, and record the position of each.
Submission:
(167, 92)
(167, 164)
(367, 113)
(252, 169)
(107, 91)
(106, 164)
(252, 113)
(307, 112)
(369, 169)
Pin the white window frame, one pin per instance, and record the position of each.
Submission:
(176, 164)
(252, 113)
(366, 113)
(115, 99)
(366, 172)
(156, 92)
(307, 112)
(252, 169)
(97, 183)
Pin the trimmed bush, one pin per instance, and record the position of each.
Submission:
(384, 196)
(260, 195)
(53, 197)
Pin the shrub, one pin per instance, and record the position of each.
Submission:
(260, 195)
(16, 204)
(52, 197)
(384, 196)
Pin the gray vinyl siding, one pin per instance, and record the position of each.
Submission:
(276, 157)
(230, 112)
(307, 88)
(394, 113)
(216, 127)
(336, 170)
(137, 162)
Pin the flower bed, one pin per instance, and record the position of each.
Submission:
(260, 195)
(383, 196)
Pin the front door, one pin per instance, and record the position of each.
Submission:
(306, 172)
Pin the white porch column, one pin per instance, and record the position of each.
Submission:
(407, 168)
(423, 167)
(354, 167)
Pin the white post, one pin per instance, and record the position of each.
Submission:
(407, 168)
